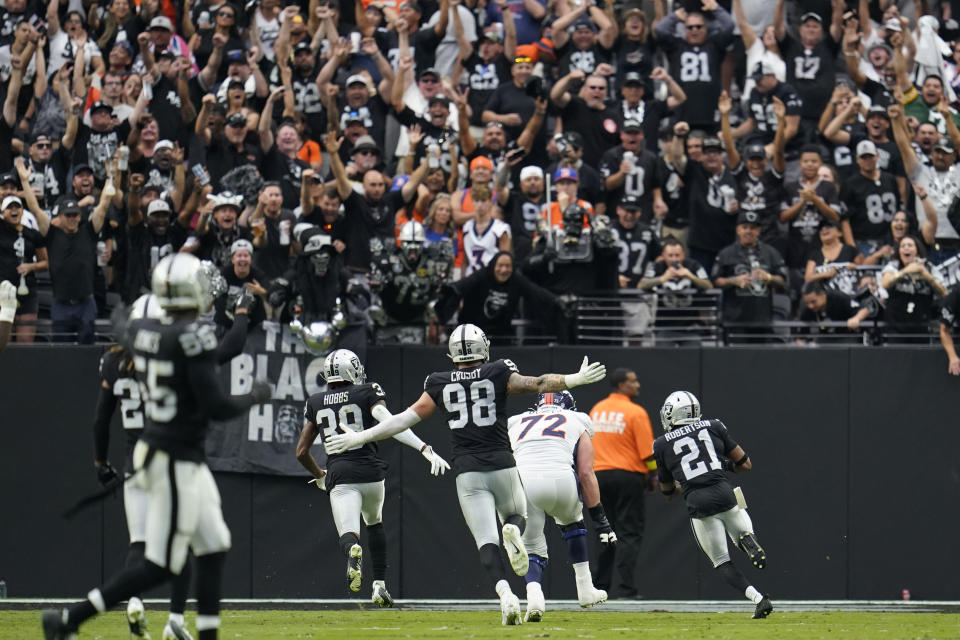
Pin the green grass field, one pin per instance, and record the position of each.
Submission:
(483, 625)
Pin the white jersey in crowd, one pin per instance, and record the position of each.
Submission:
(544, 440)
(480, 248)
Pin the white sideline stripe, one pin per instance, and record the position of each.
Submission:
(488, 601)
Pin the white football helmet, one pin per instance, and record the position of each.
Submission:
(412, 238)
(680, 407)
(468, 344)
(179, 285)
(343, 365)
(146, 306)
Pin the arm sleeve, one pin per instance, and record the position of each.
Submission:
(232, 343)
(202, 374)
(106, 403)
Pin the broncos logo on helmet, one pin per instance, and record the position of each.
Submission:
(561, 399)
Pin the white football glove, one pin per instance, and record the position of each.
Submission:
(341, 442)
(438, 466)
(321, 482)
(8, 301)
(588, 374)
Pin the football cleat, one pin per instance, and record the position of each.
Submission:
(54, 625)
(536, 605)
(590, 596)
(516, 551)
(137, 619)
(510, 609)
(764, 608)
(752, 548)
(381, 597)
(176, 631)
(354, 564)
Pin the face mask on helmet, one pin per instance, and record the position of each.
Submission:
(321, 263)
(558, 399)
(572, 224)
(411, 251)
(343, 365)
(468, 343)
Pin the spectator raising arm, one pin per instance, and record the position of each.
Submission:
(332, 143)
(559, 94)
(559, 30)
(265, 127)
(29, 197)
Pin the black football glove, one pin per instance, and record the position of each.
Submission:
(106, 474)
(605, 533)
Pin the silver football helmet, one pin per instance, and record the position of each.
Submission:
(468, 343)
(412, 239)
(147, 306)
(343, 365)
(179, 284)
(680, 407)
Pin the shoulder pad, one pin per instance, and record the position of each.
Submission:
(378, 390)
(587, 422)
(510, 365)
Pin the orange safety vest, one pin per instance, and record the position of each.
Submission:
(623, 437)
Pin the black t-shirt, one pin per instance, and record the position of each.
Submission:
(709, 198)
(423, 47)
(484, 78)
(144, 250)
(888, 154)
(640, 182)
(474, 404)
(6, 149)
(950, 310)
(509, 98)
(675, 195)
(753, 303)
(675, 297)
(598, 127)
(365, 220)
(846, 280)
(215, 243)
(223, 305)
(17, 247)
(73, 259)
(699, 75)
(635, 56)
(762, 195)
(287, 171)
(374, 114)
(308, 101)
(165, 108)
(811, 72)
(650, 113)
(690, 454)
(273, 258)
(569, 58)
(116, 373)
(803, 229)
(341, 409)
(761, 110)
(95, 148)
(522, 214)
(869, 205)
(444, 137)
(638, 246)
(222, 157)
(911, 301)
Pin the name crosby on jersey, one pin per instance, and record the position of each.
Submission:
(464, 375)
(676, 432)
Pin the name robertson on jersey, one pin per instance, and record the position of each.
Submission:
(334, 398)
(684, 430)
(464, 375)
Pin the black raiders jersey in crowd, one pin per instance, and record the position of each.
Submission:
(869, 205)
(640, 182)
(762, 195)
(405, 288)
(761, 110)
(116, 377)
(691, 455)
(522, 214)
(474, 402)
(176, 366)
(348, 408)
(699, 75)
(811, 72)
(638, 247)
(950, 310)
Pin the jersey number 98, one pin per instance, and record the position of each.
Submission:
(481, 405)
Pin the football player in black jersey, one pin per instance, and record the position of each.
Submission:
(119, 385)
(175, 363)
(355, 478)
(473, 397)
(692, 457)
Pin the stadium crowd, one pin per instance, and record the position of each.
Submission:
(398, 165)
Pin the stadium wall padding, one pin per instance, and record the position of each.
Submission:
(853, 492)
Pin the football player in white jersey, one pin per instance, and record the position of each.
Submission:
(548, 443)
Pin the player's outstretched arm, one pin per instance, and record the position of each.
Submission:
(8, 310)
(590, 490)
(588, 374)
(393, 425)
(437, 464)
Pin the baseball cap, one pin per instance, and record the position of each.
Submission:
(158, 206)
(944, 144)
(566, 173)
(83, 166)
(633, 78)
(67, 206)
(167, 53)
(893, 24)
(866, 148)
(160, 22)
(712, 143)
(754, 151)
(303, 45)
(356, 78)
(125, 44)
(583, 22)
(748, 217)
(827, 222)
(526, 53)
(877, 110)
(763, 68)
(365, 142)
(413, 4)
(429, 71)
(236, 120)
(241, 245)
(531, 171)
(630, 203)
(493, 32)
(237, 55)
(632, 125)
(11, 201)
(9, 178)
(236, 82)
(163, 144)
(98, 105)
(351, 116)
(811, 15)
(481, 161)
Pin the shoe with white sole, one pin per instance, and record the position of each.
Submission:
(536, 605)
(354, 566)
(510, 609)
(176, 631)
(590, 596)
(516, 551)
(381, 597)
(137, 619)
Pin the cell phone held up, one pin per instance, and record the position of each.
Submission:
(200, 174)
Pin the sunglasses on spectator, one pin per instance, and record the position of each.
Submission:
(367, 152)
(429, 80)
(520, 59)
(694, 26)
(225, 14)
(42, 145)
